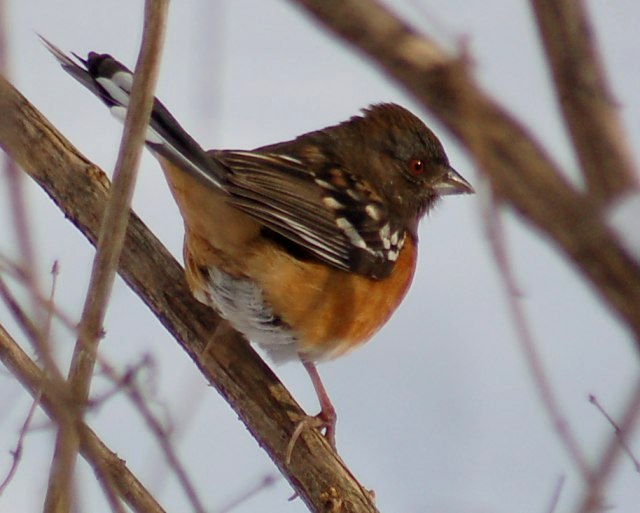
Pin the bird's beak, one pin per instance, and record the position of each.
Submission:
(452, 183)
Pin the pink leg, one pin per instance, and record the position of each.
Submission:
(326, 419)
(327, 412)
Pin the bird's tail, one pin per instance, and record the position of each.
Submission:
(111, 81)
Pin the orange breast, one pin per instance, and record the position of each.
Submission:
(331, 311)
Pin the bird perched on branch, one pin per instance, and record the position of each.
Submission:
(306, 246)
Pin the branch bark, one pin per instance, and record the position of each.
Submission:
(585, 98)
(520, 172)
(80, 189)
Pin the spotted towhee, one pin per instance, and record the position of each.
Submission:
(306, 246)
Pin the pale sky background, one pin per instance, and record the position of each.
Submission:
(438, 412)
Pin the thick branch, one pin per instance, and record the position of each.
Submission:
(521, 173)
(80, 189)
(584, 95)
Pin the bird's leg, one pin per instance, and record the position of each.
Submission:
(327, 415)
(326, 419)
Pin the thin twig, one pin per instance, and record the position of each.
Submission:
(592, 500)
(114, 224)
(98, 455)
(55, 382)
(20, 223)
(266, 482)
(162, 436)
(109, 248)
(16, 454)
(9, 267)
(557, 492)
(27, 270)
(177, 418)
(19, 214)
(620, 434)
(528, 345)
(32, 332)
(50, 304)
(119, 381)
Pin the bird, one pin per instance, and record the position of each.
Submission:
(307, 246)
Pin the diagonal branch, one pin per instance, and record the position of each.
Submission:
(495, 233)
(521, 173)
(80, 189)
(589, 109)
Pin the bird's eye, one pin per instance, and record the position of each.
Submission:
(416, 167)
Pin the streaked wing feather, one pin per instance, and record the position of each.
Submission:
(290, 198)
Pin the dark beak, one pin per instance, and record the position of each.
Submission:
(452, 183)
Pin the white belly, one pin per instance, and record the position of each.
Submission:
(241, 303)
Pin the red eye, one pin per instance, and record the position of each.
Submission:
(416, 167)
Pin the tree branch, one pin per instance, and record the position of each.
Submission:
(589, 109)
(80, 189)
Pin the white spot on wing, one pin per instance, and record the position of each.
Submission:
(118, 112)
(115, 91)
(353, 194)
(316, 241)
(384, 236)
(396, 241)
(324, 184)
(270, 157)
(123, 79)
(351, 232)
(372, 211)
(289, 158)
(332, 203)
(154, 137)
(251, 154)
